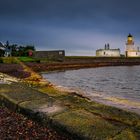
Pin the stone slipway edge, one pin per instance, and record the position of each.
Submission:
(37, 106)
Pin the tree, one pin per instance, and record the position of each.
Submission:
(19, 50)
(14, 49)
(7, 44)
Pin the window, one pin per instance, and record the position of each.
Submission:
(60, 53)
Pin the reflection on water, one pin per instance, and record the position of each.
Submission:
(105, 83)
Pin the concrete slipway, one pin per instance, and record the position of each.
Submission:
(69, 113)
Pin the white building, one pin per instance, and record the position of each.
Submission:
(107, 52)
(131, 49)
(5, 50)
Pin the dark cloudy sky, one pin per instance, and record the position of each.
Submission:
(78, 26)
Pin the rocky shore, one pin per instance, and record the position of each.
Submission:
(66, 112)
(17, 126)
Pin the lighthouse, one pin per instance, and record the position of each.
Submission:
(131, 49)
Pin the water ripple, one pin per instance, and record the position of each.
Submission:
(117, 82)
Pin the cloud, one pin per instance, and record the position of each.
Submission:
(77, 26)
(115, 9)
(81, 41)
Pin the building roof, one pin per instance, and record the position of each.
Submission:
(108, 50)
(2, 46)
(130, 35)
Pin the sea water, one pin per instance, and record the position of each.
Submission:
(117, 86)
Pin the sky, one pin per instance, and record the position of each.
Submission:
(77, 26)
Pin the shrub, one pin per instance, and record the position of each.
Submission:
(1, 61)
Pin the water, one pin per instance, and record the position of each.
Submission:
(118, 86)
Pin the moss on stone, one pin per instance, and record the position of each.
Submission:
(52, 91)
(88, 125)
(126, 135)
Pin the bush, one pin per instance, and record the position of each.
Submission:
(1, 61)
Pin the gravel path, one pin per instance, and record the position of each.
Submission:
(15, 126)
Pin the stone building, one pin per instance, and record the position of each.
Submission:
(107, 52)
(131, 49)
(58, 55)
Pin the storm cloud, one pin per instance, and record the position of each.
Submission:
(78, 26)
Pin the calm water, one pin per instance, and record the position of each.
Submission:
(112, 85)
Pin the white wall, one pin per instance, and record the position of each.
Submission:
(133, 54)
(108, 53)
(131, 48)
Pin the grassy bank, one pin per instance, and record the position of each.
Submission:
(71, 62)
(77, 62)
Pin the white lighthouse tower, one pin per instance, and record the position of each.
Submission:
(131, 49)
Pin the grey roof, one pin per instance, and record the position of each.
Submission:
(108, 49)
(2, 47)
(130, 35)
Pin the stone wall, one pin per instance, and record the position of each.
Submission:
(51, 55)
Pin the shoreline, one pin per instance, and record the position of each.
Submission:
(118, 102)
(122, 103)
(70, 114)
(72, 63)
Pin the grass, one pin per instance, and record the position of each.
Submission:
(27, 59)
(78, 57)
(31, 59)
(9, 60)
(86, 57)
